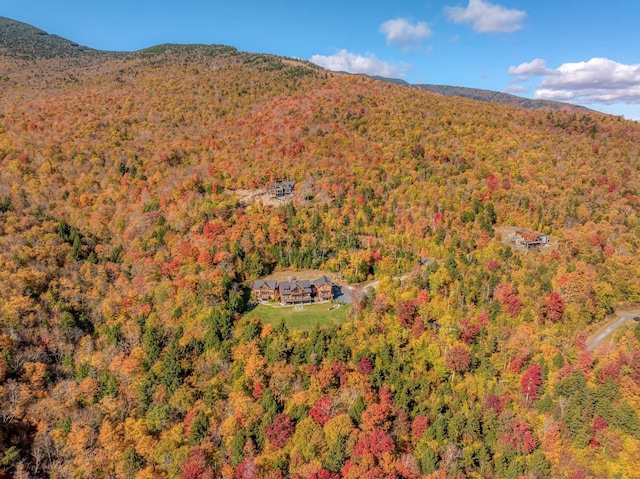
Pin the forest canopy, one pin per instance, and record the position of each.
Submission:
(128, 347)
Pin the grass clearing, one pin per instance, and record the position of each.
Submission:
(304, 320)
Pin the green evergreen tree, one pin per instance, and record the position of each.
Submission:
(539, 465)
(172, 372)
(333, 459)
(356, 410)
(199, 428)
(237, 447)
(428, 460)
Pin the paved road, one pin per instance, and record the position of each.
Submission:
(345, 295)
(623, 316)
(376, 283)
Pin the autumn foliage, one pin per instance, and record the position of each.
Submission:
(531, 381)
(133, 220)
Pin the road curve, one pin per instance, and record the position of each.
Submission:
(623, 317)
(376, 283)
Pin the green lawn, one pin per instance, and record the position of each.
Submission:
(304, 320)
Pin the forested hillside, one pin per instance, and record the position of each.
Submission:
(126, 347)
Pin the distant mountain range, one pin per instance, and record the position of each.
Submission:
(498, 97)
(20, 40)
(488, 96)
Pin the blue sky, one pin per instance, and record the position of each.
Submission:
(585, 52)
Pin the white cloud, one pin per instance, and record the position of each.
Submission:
(400, 32)
(486, 17)
(555, 95)
(535, 67)
(599, 80)
(597, 72)
(368, 64)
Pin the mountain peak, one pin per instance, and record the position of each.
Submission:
(24, 41)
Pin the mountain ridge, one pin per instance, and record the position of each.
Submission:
(489, 96)
(21, 40)
(24, 41)
(493, 96)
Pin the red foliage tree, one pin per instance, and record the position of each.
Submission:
(408, 466)
(188, 421)
(515, 366)
(339, 370)
(196, 466)
(493, 265)
(596, 240)
(530, 382)
(492, 182)
(508, 299)
(581, 340)
(520, 438)
(407, 312)
(418, 426)
(610, 370)
(553, 307)
(377, 442)
(258, 389)
(458, 358)
(280, 430)
(247, 469)
(470, 329)
(321, 410)
(365, 367)
(491, 401)
(378, 415)
(324, 474)
(599, 424)
(348, 466)
(585, 360)
(423, 296)
(418, 328)
(204, 258)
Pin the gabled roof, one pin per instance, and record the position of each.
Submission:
(287, 286)
(322, 280)
(259, 283)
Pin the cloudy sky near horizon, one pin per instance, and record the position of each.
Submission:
(584, 52)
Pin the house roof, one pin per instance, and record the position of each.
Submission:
(285, 186)
(529, 235)
(287, 286)
(322, 280)
(259, 283)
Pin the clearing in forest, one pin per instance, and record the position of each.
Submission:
(509, 235)
(301, 317)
